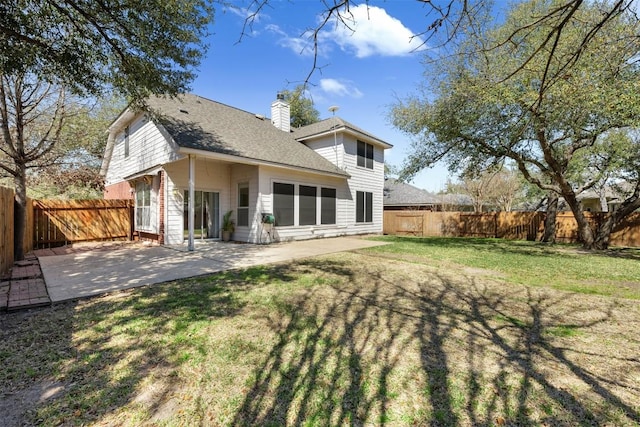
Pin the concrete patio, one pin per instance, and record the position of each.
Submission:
(89, 272)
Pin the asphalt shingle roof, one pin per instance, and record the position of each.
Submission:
(202, 124)
(328, 125)
(398, 193)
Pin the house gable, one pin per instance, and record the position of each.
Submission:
(137, 146)
(225, 149)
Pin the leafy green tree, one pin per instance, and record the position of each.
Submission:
(89, 47)
(490, 106)
(53, 48)
(303, 111)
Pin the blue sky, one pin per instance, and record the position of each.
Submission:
(363, 72)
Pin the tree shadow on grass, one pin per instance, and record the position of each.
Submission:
(314, 375)
(482, 361)
(363, 343)
(105, 351)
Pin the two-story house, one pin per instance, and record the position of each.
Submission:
(188, 160)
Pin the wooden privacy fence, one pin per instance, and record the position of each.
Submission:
(60, 222)
(7, 203)
(53, 223)
(505, 225)
(6, 229)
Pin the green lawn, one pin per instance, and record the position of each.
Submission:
(418, 332)
(615, 272)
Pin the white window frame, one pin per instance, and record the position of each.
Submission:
(366, 219)
(243, 185)
(143, 212)
(367, 162)
(295, 202)
(335, 205)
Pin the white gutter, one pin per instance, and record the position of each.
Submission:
(346, 129)
(248, 161)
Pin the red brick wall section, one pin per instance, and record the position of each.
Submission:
(121, 190)
(161, 208)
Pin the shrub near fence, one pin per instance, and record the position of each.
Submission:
(506, 225)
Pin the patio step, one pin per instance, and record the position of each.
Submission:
(25, 287)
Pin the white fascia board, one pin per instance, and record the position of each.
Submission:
(121, 121)
(148, 172)
(348, 130)
(248, 161)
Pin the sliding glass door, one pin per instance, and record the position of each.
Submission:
(207, 215)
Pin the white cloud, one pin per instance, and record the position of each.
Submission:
(252, 18)
(371, 31)
(299, 45)
(366, 31)
(340, 88)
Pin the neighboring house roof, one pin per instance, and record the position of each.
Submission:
(613, 192)
(397, 193)
(198, 123)
(327, 126)
(454, 199)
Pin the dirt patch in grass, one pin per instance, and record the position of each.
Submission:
(343, 339)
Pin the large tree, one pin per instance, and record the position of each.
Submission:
(564, 120)
(32, 115)
(88, 46)
(85, 47)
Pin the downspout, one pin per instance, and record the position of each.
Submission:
(192, 195)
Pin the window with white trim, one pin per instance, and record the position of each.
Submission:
(328, 205)
(243, 205)
(364, 206)
(143, 206)
(126, 141)
(307, 205)
(365, 155)
(283, 203)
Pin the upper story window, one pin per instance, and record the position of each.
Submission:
(365, 155)
(126, 141)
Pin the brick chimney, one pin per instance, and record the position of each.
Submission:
(281, 113)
